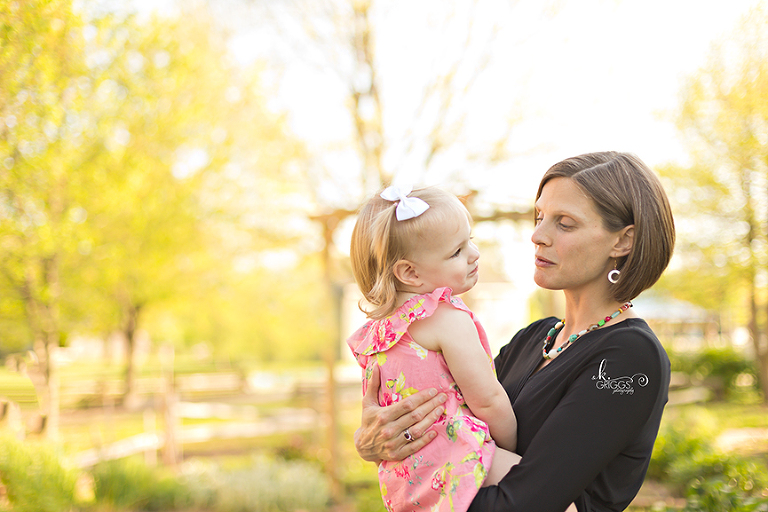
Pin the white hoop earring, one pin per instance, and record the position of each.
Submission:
(613, 276)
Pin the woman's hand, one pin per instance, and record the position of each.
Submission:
(381, 435)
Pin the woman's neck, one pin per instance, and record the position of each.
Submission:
(584, 310)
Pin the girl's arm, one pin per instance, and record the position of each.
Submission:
(452, 332)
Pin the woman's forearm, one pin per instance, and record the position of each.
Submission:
(380, 436)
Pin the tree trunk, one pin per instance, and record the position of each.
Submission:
(762, 365)
(761, 355)
(53, 381)
(131, 316)
(47, 382)
(754, 264)
(52, 325)
(43, 320)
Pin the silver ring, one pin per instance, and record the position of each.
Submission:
(407, 435)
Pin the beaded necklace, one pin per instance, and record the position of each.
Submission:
(553, 353)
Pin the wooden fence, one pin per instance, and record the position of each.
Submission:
(247, 424)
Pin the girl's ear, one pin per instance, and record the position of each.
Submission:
(624, 242)
(405, 272)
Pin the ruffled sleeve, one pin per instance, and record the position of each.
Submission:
(380, 335)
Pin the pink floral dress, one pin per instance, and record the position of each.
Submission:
(446, 474)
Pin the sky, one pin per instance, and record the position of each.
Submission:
(576, 75)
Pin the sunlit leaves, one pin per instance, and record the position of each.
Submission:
(136, 157)
(722, 199)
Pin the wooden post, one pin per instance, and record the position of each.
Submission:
(150, 427)
(10, 418)
(171, 451)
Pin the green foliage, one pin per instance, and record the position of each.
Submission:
(719, 369)
(365, 494)
(34, 478)
(262, 314)
(42, 59)
(711, 481)
(717, 495)
(139, 165)
(265, 485)
(129, 484)
(718, 482)
(673, 445)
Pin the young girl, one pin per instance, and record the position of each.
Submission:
(411, 252)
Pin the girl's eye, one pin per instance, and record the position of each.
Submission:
(458, 251)
(538, 220)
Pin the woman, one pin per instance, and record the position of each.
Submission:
(588, 390)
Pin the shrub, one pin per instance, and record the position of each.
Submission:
(34, 478)
(131, 484)
(711, 482)
(673, 445)
(718, 369)
(263, 486)
(732, 484)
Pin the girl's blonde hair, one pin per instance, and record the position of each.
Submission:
(379, 241)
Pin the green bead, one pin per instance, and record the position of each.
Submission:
(601, 323)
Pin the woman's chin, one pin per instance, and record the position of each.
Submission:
(547, 284)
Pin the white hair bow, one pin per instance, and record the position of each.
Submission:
(409, 207)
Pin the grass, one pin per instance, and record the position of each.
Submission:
(18, 388)
(83, 430)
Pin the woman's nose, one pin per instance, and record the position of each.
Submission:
(539, 235)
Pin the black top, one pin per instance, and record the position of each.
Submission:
(586, 422)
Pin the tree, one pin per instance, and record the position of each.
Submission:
(44, 178)
(193, 123)
(119, 142)
(724, 115)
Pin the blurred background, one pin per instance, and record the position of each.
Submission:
(178, 185)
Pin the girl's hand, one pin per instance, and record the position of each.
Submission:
(380, 436)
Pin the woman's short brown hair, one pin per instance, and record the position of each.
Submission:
(625, 192)
(379, 241)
